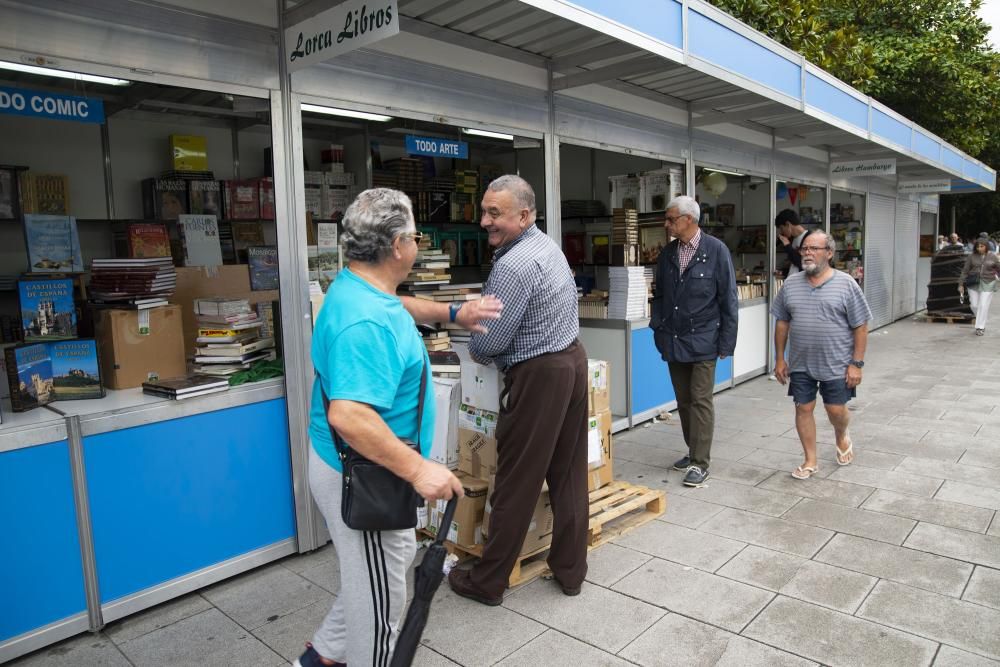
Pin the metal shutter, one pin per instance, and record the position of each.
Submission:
(879, 248)
(904, 265)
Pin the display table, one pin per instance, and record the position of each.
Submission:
(640, 380)
(132, 500)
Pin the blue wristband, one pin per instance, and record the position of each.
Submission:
(453, 310)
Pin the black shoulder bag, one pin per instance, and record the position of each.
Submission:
(373, 497)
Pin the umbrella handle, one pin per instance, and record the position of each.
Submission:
(449, 514)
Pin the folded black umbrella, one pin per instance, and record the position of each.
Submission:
(426, 581)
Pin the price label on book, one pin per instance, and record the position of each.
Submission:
(143, 322)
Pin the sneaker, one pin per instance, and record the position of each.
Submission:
(980, 332)
(695, 476)
(683, 464)
(311, 659)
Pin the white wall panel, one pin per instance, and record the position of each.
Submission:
(904, 267)
(879, 248)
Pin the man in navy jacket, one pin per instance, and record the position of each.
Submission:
(695, 314)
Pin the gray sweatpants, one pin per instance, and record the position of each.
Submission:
(362, 625)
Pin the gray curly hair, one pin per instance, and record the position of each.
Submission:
(373, 221)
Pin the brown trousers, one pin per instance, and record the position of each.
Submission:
(541, 436)
(694, 388)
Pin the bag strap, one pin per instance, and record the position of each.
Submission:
(341, 452)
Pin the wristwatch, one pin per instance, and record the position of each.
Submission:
(857, 364)
(453, 310)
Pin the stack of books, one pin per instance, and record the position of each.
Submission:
(429, 270)
(436, 341)
(229, 337)
(460, 292)
(136, 283)
(446, 364)
(179, 389)
(624, 237)
(629, 293)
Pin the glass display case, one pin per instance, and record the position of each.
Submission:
(847, 226)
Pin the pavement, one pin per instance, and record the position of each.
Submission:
(893, 560)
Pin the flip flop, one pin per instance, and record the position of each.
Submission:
(805, 472)
(847, 453)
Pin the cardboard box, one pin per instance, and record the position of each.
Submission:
(466, 525)
(599, 386)
(539, 530)
(447, 398)
(599, 451)
(477, 444)
(135, 345)
(481, 385)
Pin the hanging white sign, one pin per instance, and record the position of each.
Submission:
(926, 185)
(883, 167)
(348, 26)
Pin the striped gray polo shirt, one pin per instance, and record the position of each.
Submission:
(822, 319)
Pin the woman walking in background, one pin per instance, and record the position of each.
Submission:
(982, 268)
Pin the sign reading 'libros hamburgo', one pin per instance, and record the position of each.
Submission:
(435, 147)
(883, 167)
(348, 26)
(23, 102)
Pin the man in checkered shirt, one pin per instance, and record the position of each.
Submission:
(542, 429)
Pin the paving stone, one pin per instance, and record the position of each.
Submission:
(740, 473)
(686, 511)
(424, 657)
(681, 545)
(730, 451)
(949, 439)
(204, 639)
(971, 416)
(553, 647)
(960, 544)
(829, 586)
(958, 472)
(300, 562)
(832, 491)
(775, 460)
(994, 529)
(645, 475)
(930, 510)
(968, 494)
(767, 532)
(862, 523)
(744, 497)
(935, 425)
(586, 615)
(763, 568)
(833, 638)
(84, 650)
(960, 624)
(288, 634)
(610, 562)
(682, 642)
(949, 656)
(916, 485)
(907, 566)
(472, 634)
(255, 597)
(984, 587)
(750, 423)
(706, 597)
(981, 457)
(985, 401)
(158, 617)
(647, 454)
(937, 451)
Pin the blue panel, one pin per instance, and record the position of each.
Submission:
(730, 50)
(836, 102)
(650, 378)
(724, 370)
(970, 169)
(660, 19)
(926, 146)
(174, 497)
(889, 128)
(41, 577)
(987, 177)
(951, 159)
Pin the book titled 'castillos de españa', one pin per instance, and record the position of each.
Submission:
(29, 375)
(48, 311)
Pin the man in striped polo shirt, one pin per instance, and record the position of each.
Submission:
(824, 313)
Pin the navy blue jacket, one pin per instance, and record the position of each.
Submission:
(695, 315)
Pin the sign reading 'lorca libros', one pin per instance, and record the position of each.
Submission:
(340, 29)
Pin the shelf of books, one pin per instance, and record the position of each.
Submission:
(847, 229)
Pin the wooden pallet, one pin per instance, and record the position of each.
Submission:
(614, 510)
(948, 318)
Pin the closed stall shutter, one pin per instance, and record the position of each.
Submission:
(879, 249)
(904, 265)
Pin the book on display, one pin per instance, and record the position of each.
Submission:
(53, 244)
(263, 267)
(29, 376)
(200, 240)
(76, 372)
(148, 239)
(48, 310)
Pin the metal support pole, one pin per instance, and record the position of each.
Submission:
(92, 592)
(553, 196)
(236, 150)
(689, 162)
(109, 188)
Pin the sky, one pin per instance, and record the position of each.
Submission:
(990, 11)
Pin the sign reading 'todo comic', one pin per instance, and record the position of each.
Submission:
(348, 26)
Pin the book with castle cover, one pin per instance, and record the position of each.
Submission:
(148, 239)
(263, 263)
(29, 376)
(53, 244)
(200, 240)
(48, 311)
(76, 373)
(205, 198)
